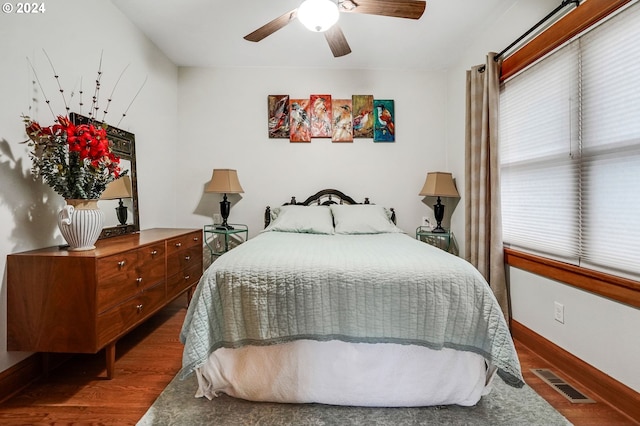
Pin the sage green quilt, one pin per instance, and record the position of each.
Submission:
(279, 287)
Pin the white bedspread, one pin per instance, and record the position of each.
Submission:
(341, 373)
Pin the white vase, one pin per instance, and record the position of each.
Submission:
(80, 223)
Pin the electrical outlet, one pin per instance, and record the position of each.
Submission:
(217, 218)
(558, 312)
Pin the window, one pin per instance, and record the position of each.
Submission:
(570, 151)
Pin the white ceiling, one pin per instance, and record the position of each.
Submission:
(209, 33)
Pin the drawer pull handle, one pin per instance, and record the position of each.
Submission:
(196, 239)
(138, 280)
(186, 277)
(178, 245)
(187, 258)
(154, 252)
(121, 264)
(139, 308)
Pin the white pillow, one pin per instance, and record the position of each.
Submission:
(304, 219)
(362, 219)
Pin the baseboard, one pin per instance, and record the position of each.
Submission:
(36, 366)
(604, 387)
(19, 376)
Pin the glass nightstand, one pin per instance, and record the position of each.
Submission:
(443, 240)
(212, 231)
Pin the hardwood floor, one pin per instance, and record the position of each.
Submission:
(77, 391)
(597, 414)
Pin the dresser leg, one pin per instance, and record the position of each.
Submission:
(189, 293)
(110, 354)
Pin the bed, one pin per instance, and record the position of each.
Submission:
(333, 303)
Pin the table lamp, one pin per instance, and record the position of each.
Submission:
(224, 181)
(119, 189)
(439, 184)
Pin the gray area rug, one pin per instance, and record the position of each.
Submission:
(505, 405)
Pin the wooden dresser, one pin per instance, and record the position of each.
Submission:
(82, 302)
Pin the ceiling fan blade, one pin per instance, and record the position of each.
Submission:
(411, 9)
(337, 41)
(273, 26)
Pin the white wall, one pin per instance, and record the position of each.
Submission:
(73, 33)
(223, 124)
(597, 330)
(592, 322)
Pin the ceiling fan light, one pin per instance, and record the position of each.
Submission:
(318, 15)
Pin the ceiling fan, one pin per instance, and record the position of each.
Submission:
(306, 13)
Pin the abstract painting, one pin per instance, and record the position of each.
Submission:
(384, 116)
(278, 110)
(362, 116)
(320, 116)
(342, 121)
(299, 120)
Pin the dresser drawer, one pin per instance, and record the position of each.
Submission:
(121, 263)
(121, 318)
(188, 240)
(117, 266)
(179, 282)
(184, 259)
(126, 274)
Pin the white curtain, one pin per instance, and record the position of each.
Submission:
(483, 226)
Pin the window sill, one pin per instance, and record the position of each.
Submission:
(610, 286)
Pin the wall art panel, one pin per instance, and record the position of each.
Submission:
(362, 116)
(342, 121)
(278, 116)
(320, 116)
(299, 120)
(384, 121)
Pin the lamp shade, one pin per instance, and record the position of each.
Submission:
(439, 184)
(318, 15)
(119, 188)
(224, 181)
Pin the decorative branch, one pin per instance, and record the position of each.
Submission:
(96, 93)
(124, 114)
(56, 76)
(81, 104)
(112, 92)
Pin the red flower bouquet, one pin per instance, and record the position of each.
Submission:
(75, 160)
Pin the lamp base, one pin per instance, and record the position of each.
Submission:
(438, 212)
(439, 230)
(225, 207)
(121, 213)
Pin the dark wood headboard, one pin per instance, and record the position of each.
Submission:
(324, 197)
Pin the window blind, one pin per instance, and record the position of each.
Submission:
(570, 151)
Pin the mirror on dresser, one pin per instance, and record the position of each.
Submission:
(124, 146)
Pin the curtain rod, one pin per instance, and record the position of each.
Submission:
(564, 4)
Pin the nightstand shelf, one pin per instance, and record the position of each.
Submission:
(212, 231)
(443, 240)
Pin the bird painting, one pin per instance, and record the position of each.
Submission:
(278, 116)
(320, 116)
(362, 111)
(384, 126)
(342, 121)
(299, 124)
